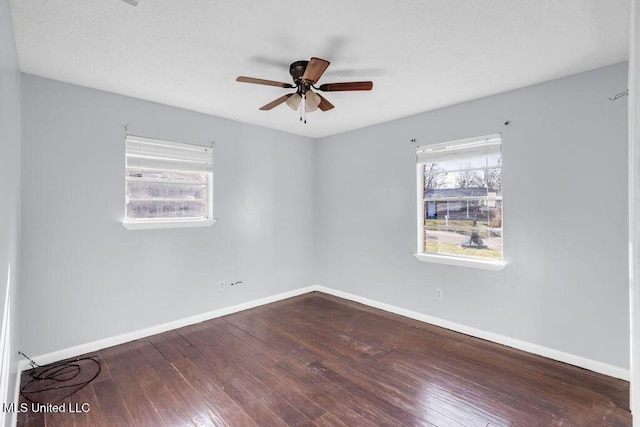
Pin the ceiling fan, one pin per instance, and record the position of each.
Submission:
(305, 74)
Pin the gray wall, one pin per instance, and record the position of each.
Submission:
(565, 191)
(85, 277)
(9, 181)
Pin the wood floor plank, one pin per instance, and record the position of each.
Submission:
(243, 397)
(182, 345)
(86, 399)
(279, 340)
(306, 406)
(262, 364)
(219, 365)
(166, 348)
(223, 357)
(185, 396)
(215, 396)
(29, 417)
(330, 420)
(283, 409)
(329, 339)
(166, 404)
(142, 411)
(561, 398)
(398, 388)
(318, 360)
(478, 375)
(112, 407)
(64, 418)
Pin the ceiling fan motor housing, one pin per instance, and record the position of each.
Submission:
(297, 69)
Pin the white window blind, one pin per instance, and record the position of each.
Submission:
(464, 148)
(158, 154)
(168, 184)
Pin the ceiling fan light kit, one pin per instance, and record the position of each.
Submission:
(312, 100)
(294, 101)
(305, 74)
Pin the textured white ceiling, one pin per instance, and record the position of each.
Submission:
(420, 54)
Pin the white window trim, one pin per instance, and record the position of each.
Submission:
(493, 265)
(462, 262)
(173, 223)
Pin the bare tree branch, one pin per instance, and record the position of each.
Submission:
(434, 176)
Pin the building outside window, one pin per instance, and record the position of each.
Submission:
(460, 204)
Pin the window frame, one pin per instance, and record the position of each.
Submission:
(164, 223)
(449, 259)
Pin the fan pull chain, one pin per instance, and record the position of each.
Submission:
(299, 108)
(304, 107)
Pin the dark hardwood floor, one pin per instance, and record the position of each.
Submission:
(318, 360)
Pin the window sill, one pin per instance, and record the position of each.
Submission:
(184, 223)
(473, 263)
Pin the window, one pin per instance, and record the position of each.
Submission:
(168, 184)
(460, 202)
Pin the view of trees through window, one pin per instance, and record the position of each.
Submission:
(462, 205)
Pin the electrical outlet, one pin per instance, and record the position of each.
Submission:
(439, 293)
(221, 286)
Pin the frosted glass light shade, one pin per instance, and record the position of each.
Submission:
(313, 100)
(294, 101)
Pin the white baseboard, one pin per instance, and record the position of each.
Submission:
(572, 359)
(77, 350)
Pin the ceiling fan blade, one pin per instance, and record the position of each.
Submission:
(245, 79)
(335, 87)
(315, 69)
(324, 104)
(275, 102)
